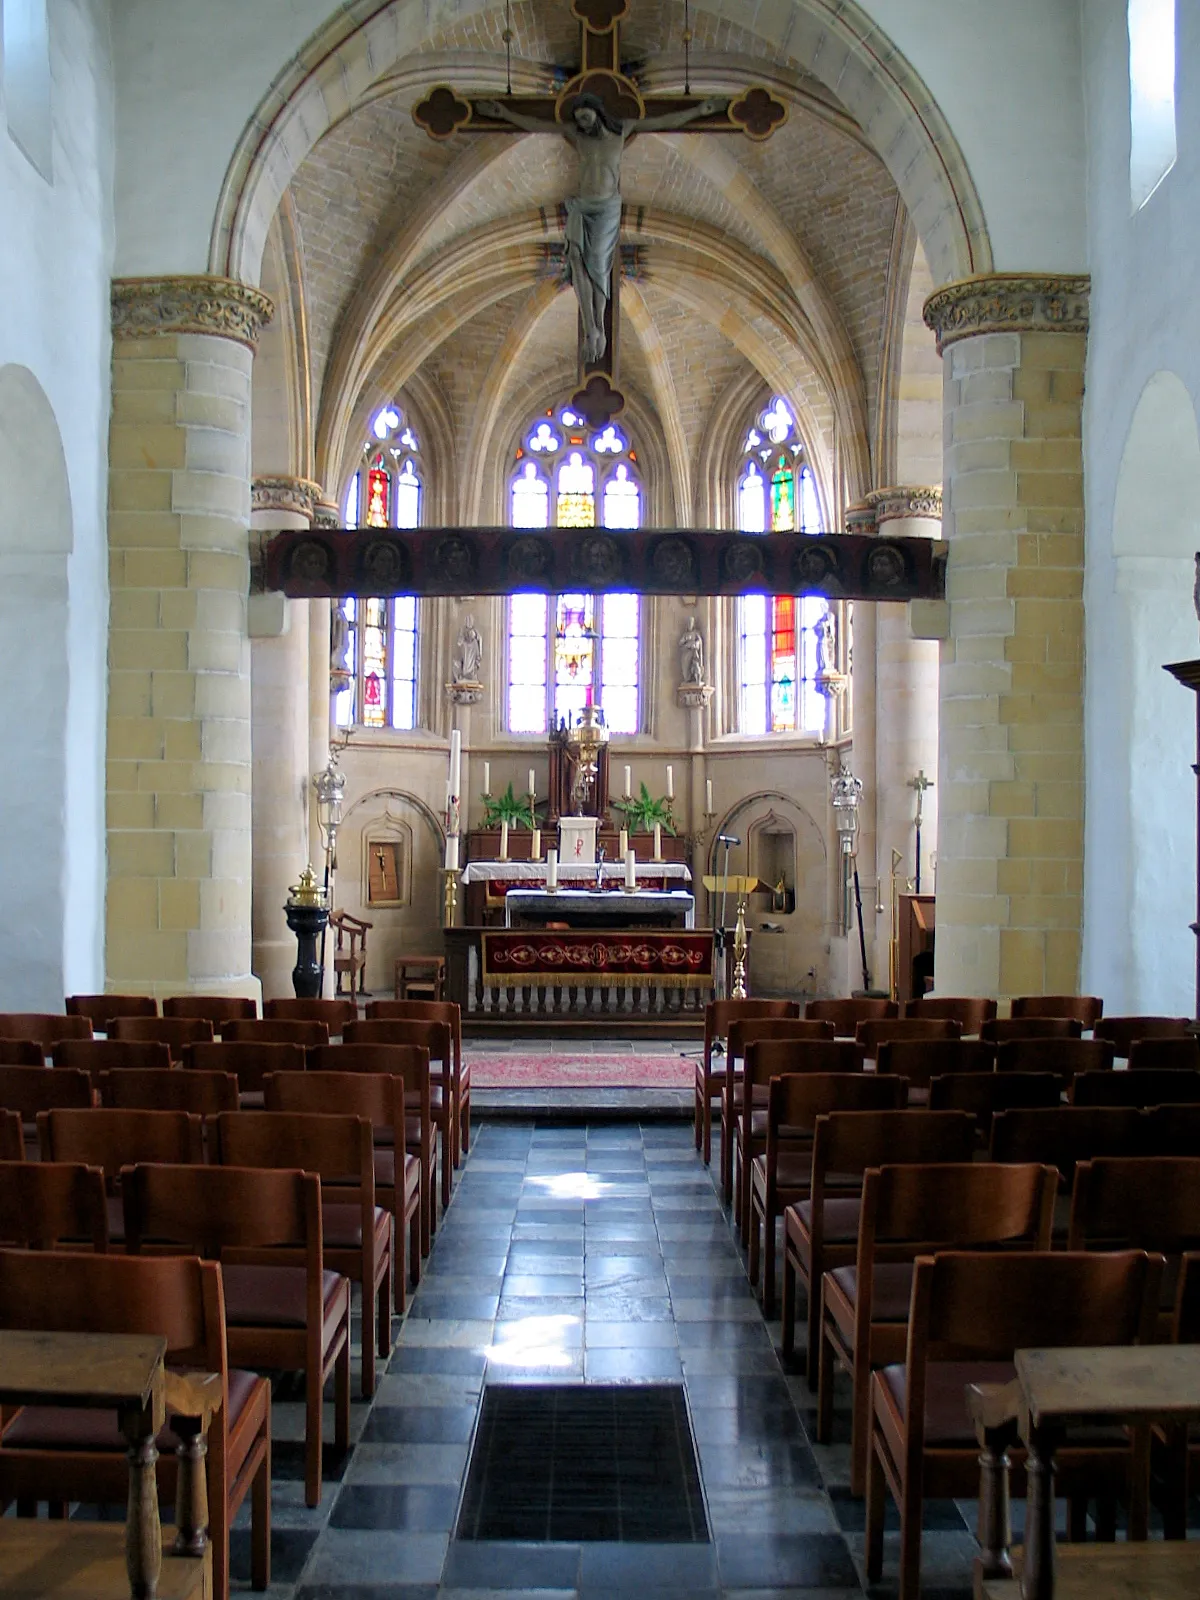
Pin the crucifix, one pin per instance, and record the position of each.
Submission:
(597, 111)
(920, 783)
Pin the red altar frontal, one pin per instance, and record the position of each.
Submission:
(585, 957)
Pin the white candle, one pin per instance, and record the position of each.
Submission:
(531, 789)
(624, 843)
(670, 783)
(504, 841)
(452, 852)
(551, 870)
(708, 805)
(455, 760)
(658, 841)
(487, 777)
(630, 870)
(628, 781)
(535, 853)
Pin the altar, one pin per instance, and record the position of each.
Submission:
(606, 908)
(487, 884)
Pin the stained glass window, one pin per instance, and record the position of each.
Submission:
(381, 654)
(565, 649)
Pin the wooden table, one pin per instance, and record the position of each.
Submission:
(123, 1373)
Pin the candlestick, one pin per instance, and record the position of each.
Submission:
(532, 791)
(504, 841)
(708, 805)
(551, 870)
(630, 870)
(452, 852)
(535, 849)
(487, 777)
(624, 843)
(658, 855)
(450, 895)
(670, 782)
(628, 782)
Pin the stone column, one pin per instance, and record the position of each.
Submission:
(906, 699)
(179, 826)
(320, 710)
(861, 757)
(1010, 775)
(279, 739)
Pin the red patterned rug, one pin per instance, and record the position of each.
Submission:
(513, 1070)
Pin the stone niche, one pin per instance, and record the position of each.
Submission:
(389, 855)
(789, 919)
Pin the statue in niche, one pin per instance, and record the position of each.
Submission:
(468, 654)
(691, 654)
(339, 643)
(827, 651)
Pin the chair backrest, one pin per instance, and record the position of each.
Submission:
(848, 1142)
(718, 1014)
(1000, 1030)
(847, 1014)
(21, 1053)
(436, 1037)
(1165, 1055)
(1186, 1329)
(447, 1011)
(12, 1137)
(795, 1102)
(772, 1058)
(379, 1097)
(338, 1147)
(215, 1008)
(111, 1139)
(876, 1031)
(28, 1090)
(1136, 1202)
(333, 1013)
(972, 1011)
(213, 1209)
(142, 1089)
(1085, 1008)
(1122, 1031)
(1167, 1130)
(385, 1058)
(1067, 1057)
(275, 1030)
(972, 1205)
(1149, 1087)
(985, 1093)
(1062, 1136)
(919, 1060)
(175, 1032)
(97, 1056)
(249, 1063)
(46, 1204)
(46, 1027)
(753, 1030)
(100, 1009)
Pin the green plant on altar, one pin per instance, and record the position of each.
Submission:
(508, 807)
(640, 812)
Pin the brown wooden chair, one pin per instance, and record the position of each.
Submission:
(821, 1233)
(710, 1080)
(47, 1028)
(1067, 1057)
(970, 1313)
(152, 1089)
(410, 1062)
(63, 1455)
(882, 1030)
(111, 1140)
(744, 1031)
(333, 1013)
(847, 1014)
(12, 1137)
(1168, 1130)
(28, 1090)
(1122, 1031)
(175, 1032)
(250, 1063)
(781, 1176)
(436, 1010)
(21, 1053)
(373, 1095)
(357, 1233)
(437, 1039)
(51, 1205)
(972, 1011)
(255, 1220)
(1085, 1008)
(350, 950)
(1149, 1087)
(100, 1009)
(1176, 1451)
(1165, 1055)
(985, 1093)
(98, 1056)
(922, 1060)
(419, 977)
(276, 1030)
(215, 1008)
(1002, 1030)
(1062, 1136)
(906, 1210)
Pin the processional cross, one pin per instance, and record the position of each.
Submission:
(596, 111)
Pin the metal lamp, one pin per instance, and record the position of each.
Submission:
(329, 786)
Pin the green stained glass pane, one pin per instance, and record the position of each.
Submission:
(783, 498)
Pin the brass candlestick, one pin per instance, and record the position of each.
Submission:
(450, 895)
(739, 951)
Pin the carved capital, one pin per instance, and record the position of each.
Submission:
(1003, 302)
(145, 307)
(298, 495)
(902, 501)
(694, 696)
(465, 692)
(861, 519)
(326, 514)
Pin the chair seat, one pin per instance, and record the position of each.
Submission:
(252, 1100)
(78, 1429)
(385, 1170)
(116, 1219)
(341, 1225)
(793, 1170)
(892, 1289)
(841, 1219)
(947, 1420)
(270, 1296)
(715, 1080)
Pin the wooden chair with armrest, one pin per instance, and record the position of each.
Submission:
(436, 1010)
(333, 1013)
(1085, 1008)
(63, 1455)
(1150, 1086)
(46, 1027)
(970, 1313)
(51, 1205)
(905, 1211)
(350, 950)
(175, 1032)
(112, 1140)
(98, 1056)
(971, 1011)
(710, 1080)
(249, 1063)
(255, 1221)
(847, 1014)
(152, 1089)
(437, 1039)
(100, 1009)
(743, 1032)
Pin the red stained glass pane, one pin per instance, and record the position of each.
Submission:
(377, 499)
(785, 625)
(371, 692)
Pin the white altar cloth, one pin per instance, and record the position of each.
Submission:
(535, 871)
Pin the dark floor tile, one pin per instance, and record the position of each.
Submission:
(431, 1358)
(367, 1591)
(432, 1305)
(411, 1508)
(645, 1363)
(799, 1560)
(287, 1461)
(419, 1425)
(529, 1285)
(635, 1565)
(751, 1394)
(937, 1516)
(771, 1464)
(290, 1549)
(487, 1564)
(748, 1426)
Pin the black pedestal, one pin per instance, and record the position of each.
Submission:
(307, 923)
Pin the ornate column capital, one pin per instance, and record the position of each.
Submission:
(326, 513)
(145, 307)
(861, 519)
(296, 495)
(903, 501)
(1009, 302)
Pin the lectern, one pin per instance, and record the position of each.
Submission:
(1188, 673)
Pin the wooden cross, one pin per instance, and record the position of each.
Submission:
(445, 112)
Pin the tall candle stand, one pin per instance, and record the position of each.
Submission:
(449, 895)
(740, 944)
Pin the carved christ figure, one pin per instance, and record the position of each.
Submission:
(594, 214)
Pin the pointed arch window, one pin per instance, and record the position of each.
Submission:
(387, 491)
(568, 650)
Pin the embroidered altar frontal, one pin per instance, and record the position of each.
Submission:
(615, 960)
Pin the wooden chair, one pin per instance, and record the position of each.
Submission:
(21, 1053)
(922, 1060)
(419, 978)
(847, 1014)
(112, 1139)
(1122, 1031)
(251, 1064)
(333, 1013)
(781, 1176)
(906, 1210)
(410, 1062)
(972, 1011)
(98, 1056)
(744, 1031)
(1085, 1008)
(65, 1455)
(350, 950)
(710, 1080)
(278, 1316)
(12, 1138)
(1062, 1136)
(1003, 1030)
(1178, 1449)
(28, 1090)
(1167, 1130)
(357, 1233)
(215, 1008)
(970, 1313)
(46, 1028)
(1149, 1087)
(100, 1009)
(50, 1205)
(1067, 1057)
(139, 1089)
(437, 1039)
(276, 1030)
(985, 1093)
(1165, 1055)
(882, 1030)
(436, 1010)
(175, 1032)
(397, 1173)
